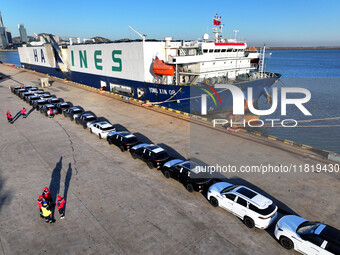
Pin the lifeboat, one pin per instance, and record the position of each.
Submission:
(160, 68)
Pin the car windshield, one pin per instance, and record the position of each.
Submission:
(227, 189)
(76, 110)
(107, 128)
(307, 227)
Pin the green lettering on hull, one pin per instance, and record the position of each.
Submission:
(72, 58)
(83, 58)
(117, 60)
(98, 60)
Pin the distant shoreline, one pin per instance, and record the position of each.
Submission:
(305, 48)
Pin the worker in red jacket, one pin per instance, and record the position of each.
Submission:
(50, 113)
(23, 112)
(9, 117)
(47, 196)
(61, 206)
(40, 201)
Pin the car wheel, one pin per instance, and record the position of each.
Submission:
(213, 201)
(109, 141)
(100, 136)
(286, 243)
(189, 187)
(150, 165)
(167, 174)
(134, 155)
(64, 114)
(91, 130)
(84, 126)
(122, 148)
(71, 118)
(77, 121)
(248, 222)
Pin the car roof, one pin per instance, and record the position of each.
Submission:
(252, 196)
(49, 105)
(154, 148)
(88, 115)
(75, 108)
(104, 124)
(41, 100)
(141, 145)
(190, 165)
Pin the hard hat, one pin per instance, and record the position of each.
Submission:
(59, 197)
(46, 189)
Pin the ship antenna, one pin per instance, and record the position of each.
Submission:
(141, 35)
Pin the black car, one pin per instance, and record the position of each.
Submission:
(63, 106)
(37, 104)
(26, 94)
(124, 140)
(45, 108)
(73, 112)
(188, 173)
(85, 119)
(153, 155)
(54, 100)
(31, 99)
(14, 88)
(18, 91)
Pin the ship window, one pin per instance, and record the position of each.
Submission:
(205, 51)
(211, 50)
(218, 50)
(223, 50)
(229, 50)
(234, 50)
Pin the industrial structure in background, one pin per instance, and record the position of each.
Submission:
(5, 35)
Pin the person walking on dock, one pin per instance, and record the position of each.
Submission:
(9, 117)
(46, 211)
(61, 206)
(47, 196)
(24, 112)
(40, 202)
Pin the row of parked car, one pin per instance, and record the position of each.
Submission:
(254, 209)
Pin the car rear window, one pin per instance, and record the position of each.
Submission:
(270, 209)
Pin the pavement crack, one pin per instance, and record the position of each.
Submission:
(72, 147)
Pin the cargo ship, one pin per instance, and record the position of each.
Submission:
(170, 73)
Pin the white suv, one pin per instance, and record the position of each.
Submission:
(253, 208)
(101, 128)
(294, 232)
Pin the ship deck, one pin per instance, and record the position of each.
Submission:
(117, 205)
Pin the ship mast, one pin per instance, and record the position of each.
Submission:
(217, 29)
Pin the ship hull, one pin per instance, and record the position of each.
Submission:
(183, 98)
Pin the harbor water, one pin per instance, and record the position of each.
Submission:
(316, 70)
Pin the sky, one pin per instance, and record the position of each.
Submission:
(270, 22)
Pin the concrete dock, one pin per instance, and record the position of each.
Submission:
(117, 205)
